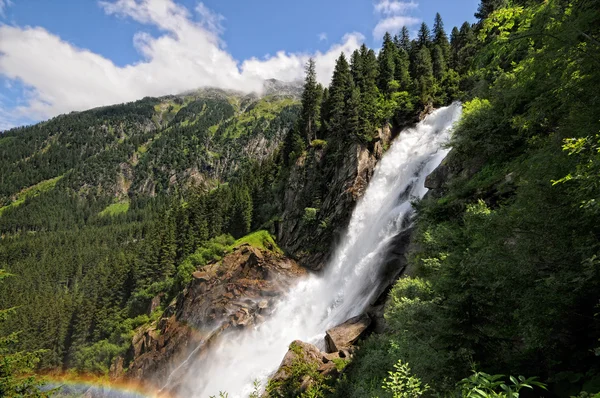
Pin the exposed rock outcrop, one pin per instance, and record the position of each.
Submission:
(310, 240)
(236, 292)
(302, 366)
(345, 335)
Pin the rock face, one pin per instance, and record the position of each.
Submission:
(236, 292)
(303, 366)
(310, 241)
(345, 335)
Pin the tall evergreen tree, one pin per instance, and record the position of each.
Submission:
(405, 39)
(353, 110)
(486, 7)
(424, 36)
(440, 38)
(439, 63)
(339, 93)
(466, 48)
(402, 70)
(369, 93)
(454, 47)
(309, 118)
(425, 78)
(387, 63)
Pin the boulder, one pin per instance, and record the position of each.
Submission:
(302, 366)
(343, 336)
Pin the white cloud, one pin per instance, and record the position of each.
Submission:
(322, 36)
(390, 7)
(393, 25)
(393, 16)
(187, 54)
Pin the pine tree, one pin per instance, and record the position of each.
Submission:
(13, 366)
(405, 39)
(439, 63)
(353, 110)
(440, 38)
(309, 117)
(387, 63)
(424, 36)
(425, 78)
(466, 48)
(454, 47)
(486, 7)
(339, 93)
(357, 69)
(325, 112)
(402, 70)
(168, 245)
(369, 93)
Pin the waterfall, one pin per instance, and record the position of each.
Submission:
(351, 278)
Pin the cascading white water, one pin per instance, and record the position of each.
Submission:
(347, 286)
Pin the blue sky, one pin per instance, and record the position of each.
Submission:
(60, 56)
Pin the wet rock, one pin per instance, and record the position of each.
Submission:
(343, 336)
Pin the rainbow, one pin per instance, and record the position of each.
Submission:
(70, 385)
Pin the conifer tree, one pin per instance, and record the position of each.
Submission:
(324, 112)
(309, 117)
(387, 63)
(424, 73)
(440, 38)
(466, 47)
(402, 70)
(369, 93)
(357, 69)
(405, 39)
(454, 47)
(486, 7)
(424, 36)
(14, 365)
(439, 63)
(353, 109)
(339, 93)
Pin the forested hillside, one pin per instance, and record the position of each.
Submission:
(86, 228)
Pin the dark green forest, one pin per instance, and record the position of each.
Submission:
(105, 210)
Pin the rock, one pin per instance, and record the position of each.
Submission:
(116, 368)
(293, 377)
(202, 276)
(155, 303)
(343, 336)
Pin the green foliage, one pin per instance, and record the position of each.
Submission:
(16, 366)
(261, 240)
(319, 144)
(402, 384)
(310, 214)
(483, 385)
(115, 209)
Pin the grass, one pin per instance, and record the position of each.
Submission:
(32, 191)
(259, 239)
(266, 109)
(115, 209)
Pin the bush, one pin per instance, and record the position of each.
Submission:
(318, 144)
